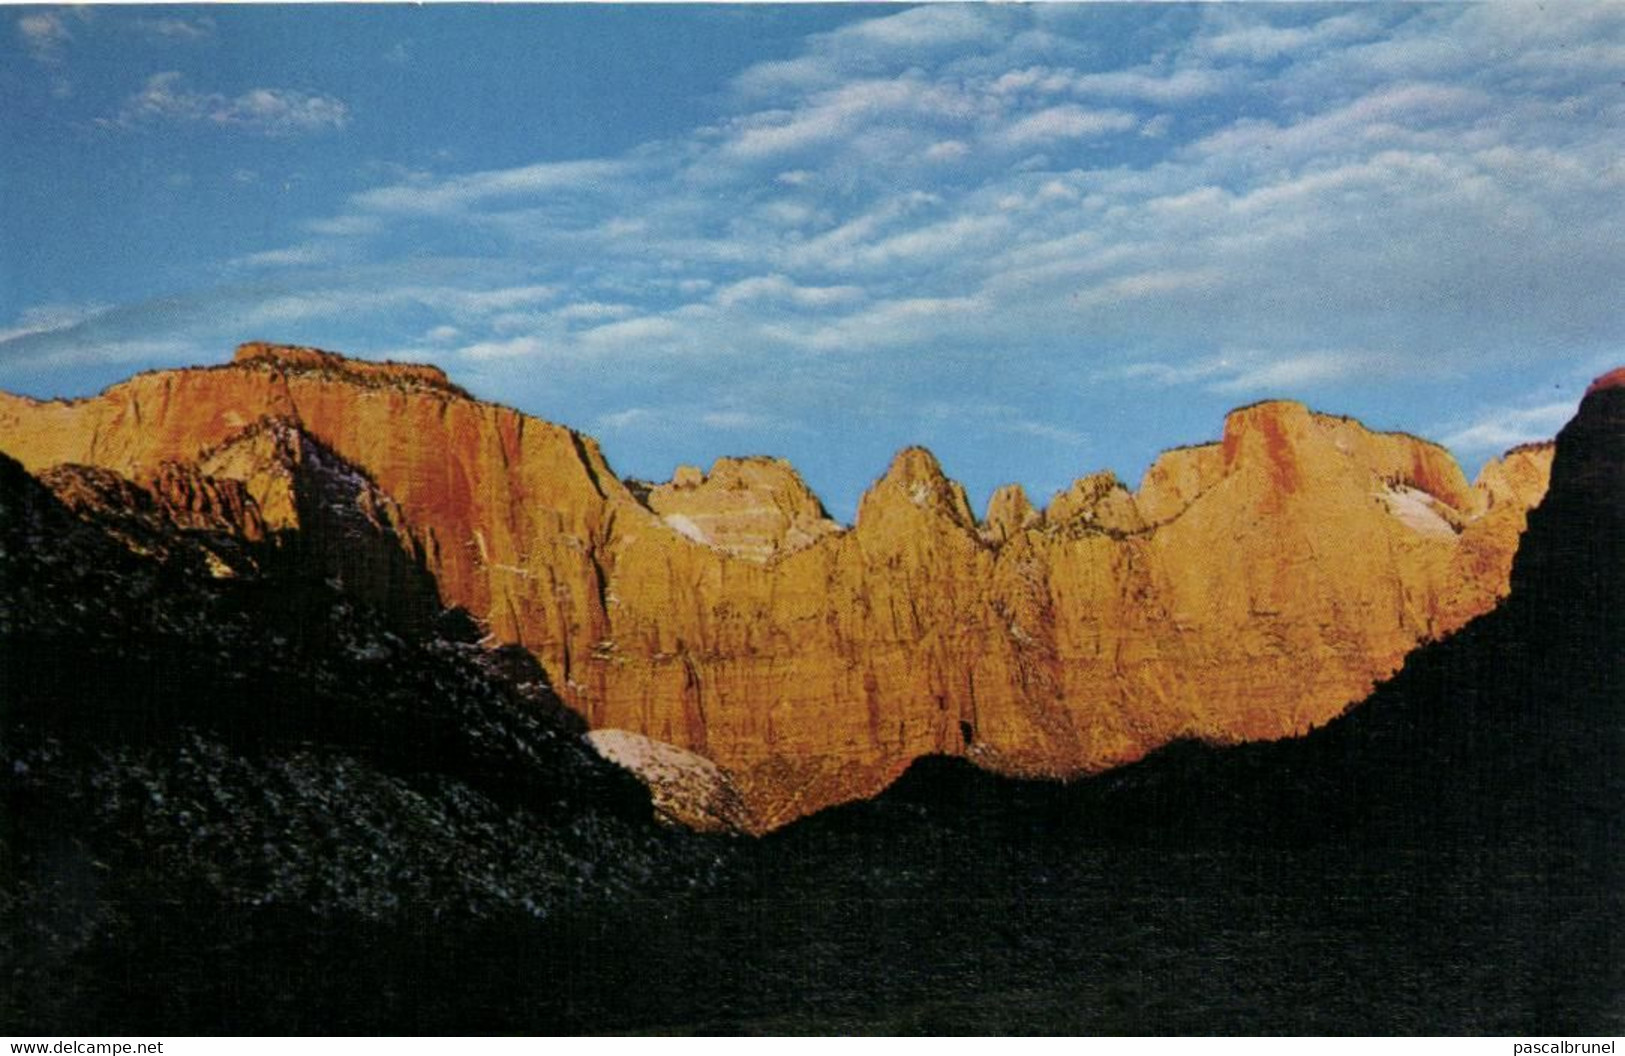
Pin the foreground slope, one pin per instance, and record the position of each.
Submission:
(216, 763)
(1251, 588)
(1447, 858)
(266, 811)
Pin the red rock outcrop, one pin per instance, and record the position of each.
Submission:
(1250, 588)
(754, 508)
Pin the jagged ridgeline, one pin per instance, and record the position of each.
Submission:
(1249, 588)
(263, 774)
(232, 728)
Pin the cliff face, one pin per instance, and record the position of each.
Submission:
(220, 763)
(1249, 589)
(754, 508)
(1461, 829)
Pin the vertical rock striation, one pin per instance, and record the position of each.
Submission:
(1250, 588)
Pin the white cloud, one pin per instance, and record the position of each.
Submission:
(453, 194)
(1149, 284)
(48, 319)
(905, 38)
(592, 311)
(727, 420)
(1295, 373)
(1260, 41)
(479, 302)
(985, 201)
(45, 35)
(514, 348)
(961, 234)
(1145, 84)
(184, 30)
(1261, 373)
(615, 421)
(333, 302)
(842, 111)
(1054, 434)
(917, 28)
(94, 353)
(345, 226)
(275, 112)
(1382, 118)
(1064, 122)
(286, 257)
(884, 326)
(665, 421)
(1506, 427)
(630, 333)
(780, 290)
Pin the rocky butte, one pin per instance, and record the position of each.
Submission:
(1249, 588)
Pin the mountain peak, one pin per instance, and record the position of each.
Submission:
(1182, 611)
(914, 464)
(756, 507)
(1099, 501)
(917, 476)
(1614, 379)
(1270, 435)
(1009, 512)
(303, 359)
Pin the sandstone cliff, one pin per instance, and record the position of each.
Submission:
(755, 508)
(1250, 588)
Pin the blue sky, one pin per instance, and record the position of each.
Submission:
(1041, 240)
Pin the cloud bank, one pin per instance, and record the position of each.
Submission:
(1005, 202)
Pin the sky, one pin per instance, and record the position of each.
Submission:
(1041, 240)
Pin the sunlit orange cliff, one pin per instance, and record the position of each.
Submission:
(1249, 588)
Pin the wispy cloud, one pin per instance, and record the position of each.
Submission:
(902, 39)
(287, 256)
(334, 301)
(1300, 372)
(439, 196)
(346, 226)
(166, 99)
(1065, 122)
(1259, 41)
(1505, 427)
(45, 34)
(1264, 373)
(993, 201)
(670, 420)
(1142, 84)
(78, 354)
(736, 420)
(49, 318)
(1054, 434)
(780, 290)
(183, 30)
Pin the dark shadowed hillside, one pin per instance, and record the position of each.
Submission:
(1446, 858)
(240, 799)
(273, 807)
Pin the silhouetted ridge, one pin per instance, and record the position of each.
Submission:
(1444, 858)
(212, 756)
(725, 615)
(1512, 728)
(300, 359)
